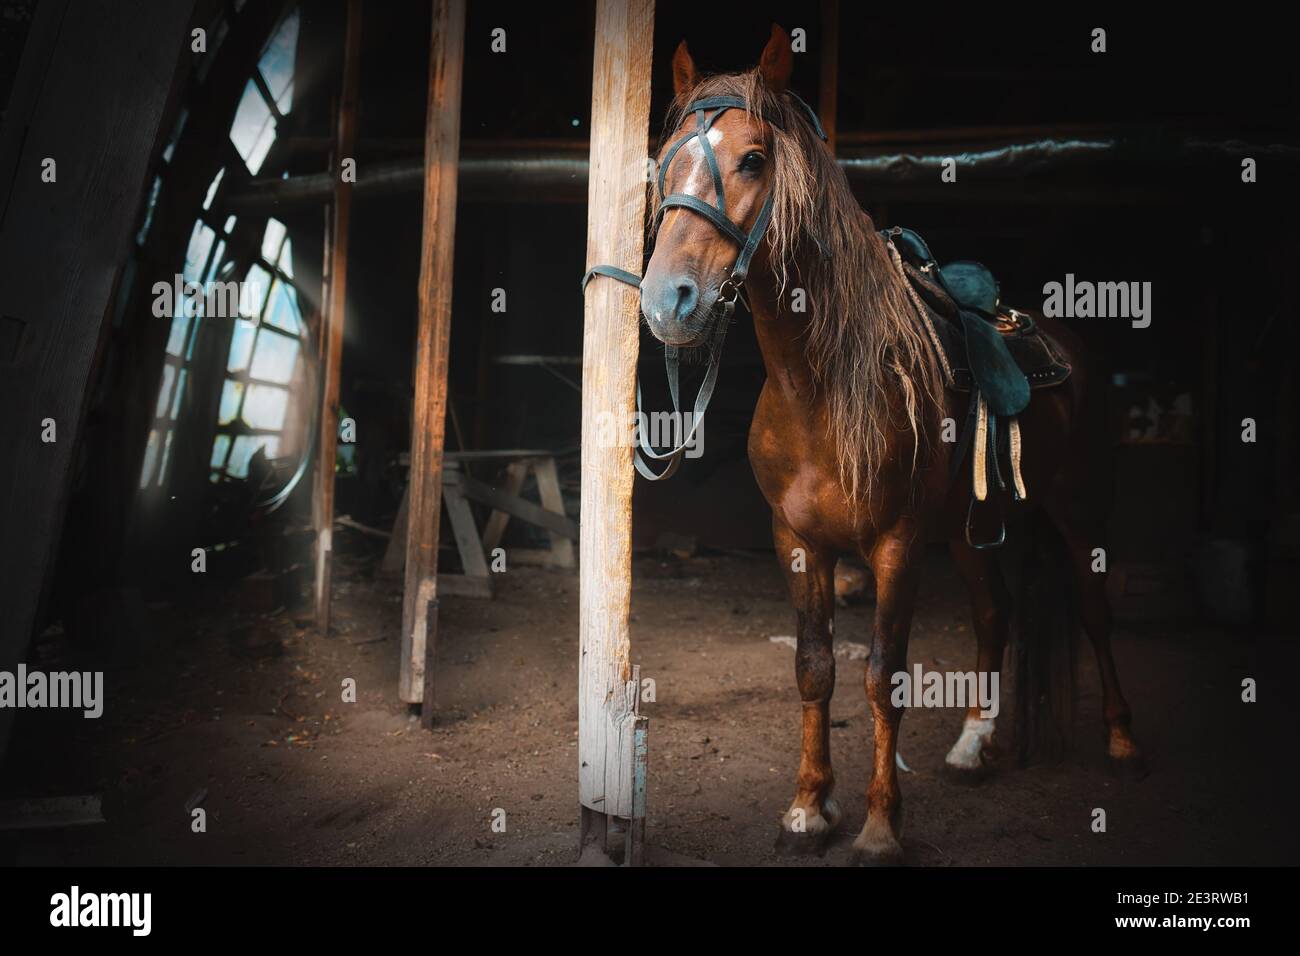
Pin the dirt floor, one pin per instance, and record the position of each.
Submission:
(255, 732)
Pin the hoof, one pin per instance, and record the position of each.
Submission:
(965, 776)
(801, 844)
(886, 854)
(809, 835)
(876, 845)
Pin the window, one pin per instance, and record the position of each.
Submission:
(267, 97)
(264, 361)
(203, 260)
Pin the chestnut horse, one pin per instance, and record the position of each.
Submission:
(842, 441)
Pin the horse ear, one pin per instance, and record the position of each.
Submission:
(777, 62)
(684, 76)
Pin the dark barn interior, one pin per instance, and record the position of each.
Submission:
(196, 442)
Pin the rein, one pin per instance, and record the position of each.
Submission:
(730, 289)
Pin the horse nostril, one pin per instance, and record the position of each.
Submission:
(688, 296)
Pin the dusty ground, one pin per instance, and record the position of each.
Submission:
(288, 774)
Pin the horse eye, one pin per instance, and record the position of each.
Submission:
(752, 162)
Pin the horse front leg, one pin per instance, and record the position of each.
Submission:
(810, 574)
(879, 843)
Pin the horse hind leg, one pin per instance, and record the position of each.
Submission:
(1094, 611)
(813, 814)
(966, 762)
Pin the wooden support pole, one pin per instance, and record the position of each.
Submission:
(428, 420)
(332, 326)
(829, 86)
(616, 205)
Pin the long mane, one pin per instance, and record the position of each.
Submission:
(864, 344)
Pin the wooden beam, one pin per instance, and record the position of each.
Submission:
(828, 94)
(616, 205)
(335, 298)
(428, 420)
(552, 521)
(89, 94)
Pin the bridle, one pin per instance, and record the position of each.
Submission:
(728, 291)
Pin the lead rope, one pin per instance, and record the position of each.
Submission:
(671, 363)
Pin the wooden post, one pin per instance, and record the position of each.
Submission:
(84, 114)
(441, 156)
(829, 85)
(332, 326)
(616, 205)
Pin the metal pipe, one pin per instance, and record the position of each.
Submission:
(560, 175)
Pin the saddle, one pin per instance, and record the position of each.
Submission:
(997, 354)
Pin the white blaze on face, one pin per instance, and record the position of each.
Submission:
(700, 181)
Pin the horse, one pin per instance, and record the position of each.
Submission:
(843, 438)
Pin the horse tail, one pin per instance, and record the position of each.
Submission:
(1044, 639)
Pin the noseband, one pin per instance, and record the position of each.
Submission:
(730, 288)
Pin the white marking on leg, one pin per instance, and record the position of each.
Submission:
(965, 753)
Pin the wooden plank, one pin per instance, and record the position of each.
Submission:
(519, 507)
(89, 94)
(441, 155)
(335, 298)
(516, 472)
(828, 95)
(616, 205)
(548, 489)
(463, 529)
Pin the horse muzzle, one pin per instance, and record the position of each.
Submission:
(678, 311)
